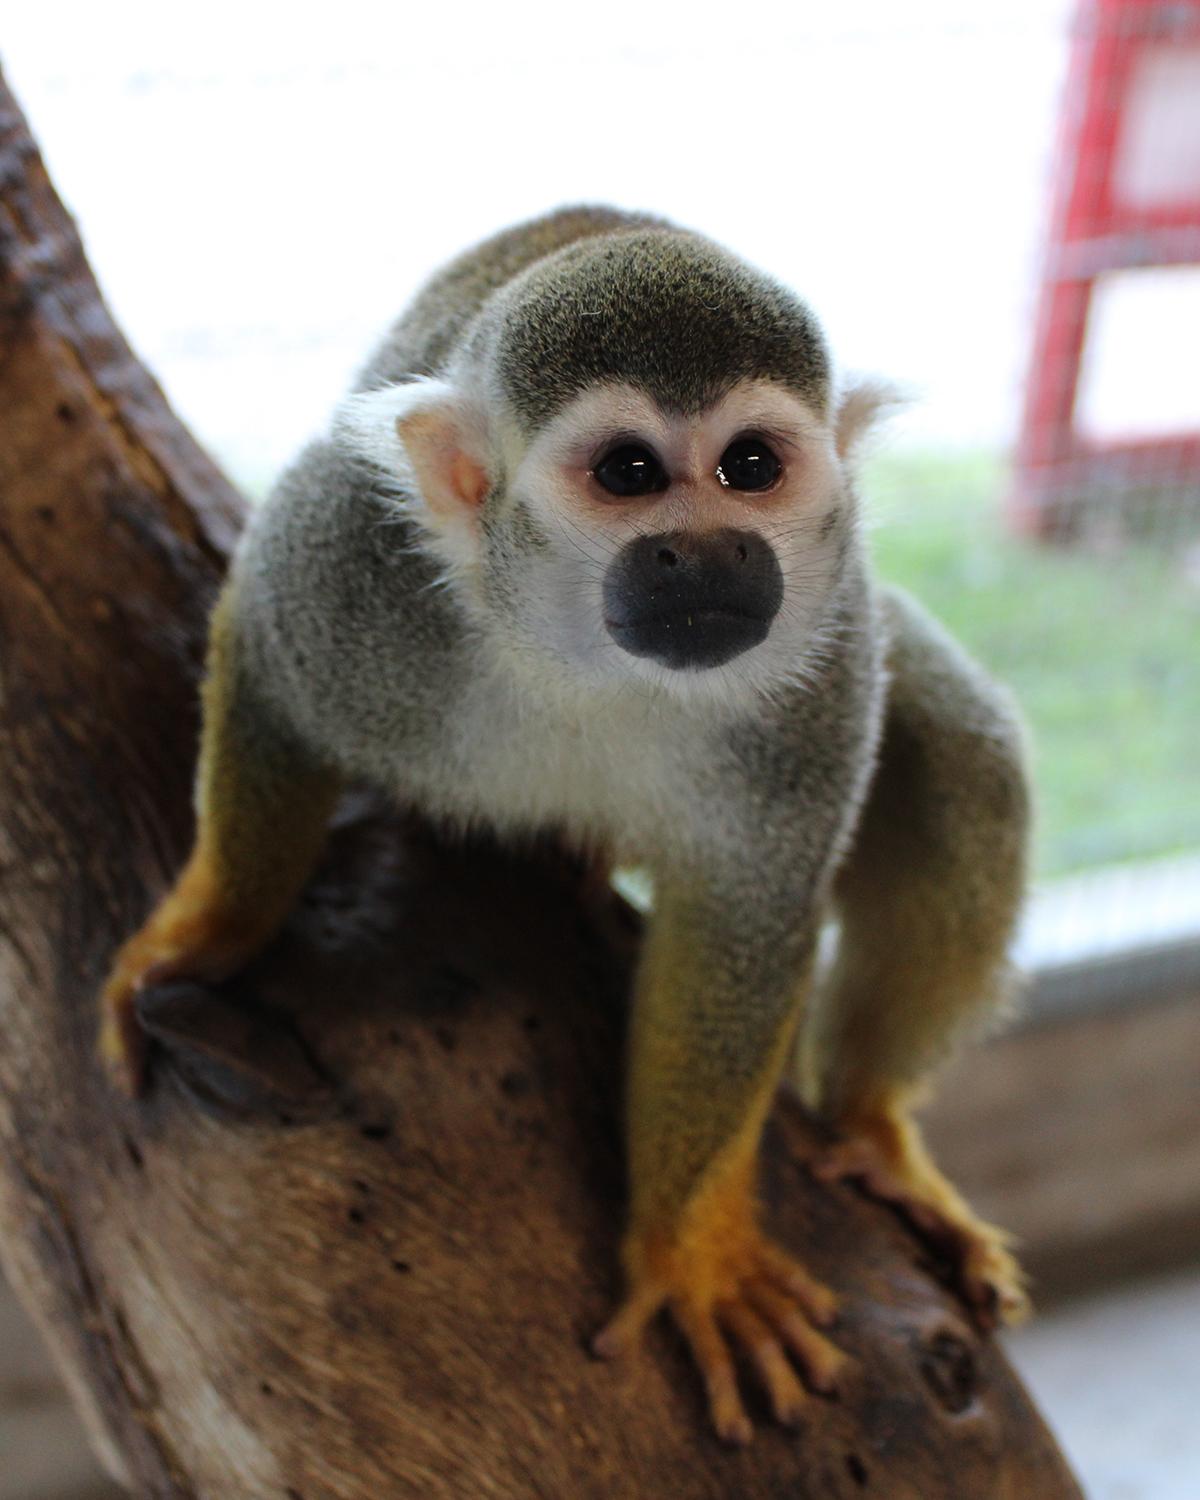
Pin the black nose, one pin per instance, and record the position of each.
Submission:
(692, 601)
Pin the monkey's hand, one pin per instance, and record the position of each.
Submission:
(882, 1148)
(728, 1288)
(193, 934)
(262, 807)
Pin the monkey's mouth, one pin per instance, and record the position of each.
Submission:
(692, 639)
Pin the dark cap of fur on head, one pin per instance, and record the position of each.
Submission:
(661, 309)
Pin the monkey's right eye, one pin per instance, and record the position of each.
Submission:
(631, 470)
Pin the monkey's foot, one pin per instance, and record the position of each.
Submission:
(180, 941)
(729, 1289)
(884, 1151)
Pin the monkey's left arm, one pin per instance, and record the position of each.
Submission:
(927, 900)
(722, 982)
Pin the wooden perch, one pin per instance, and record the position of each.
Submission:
(353, 1243)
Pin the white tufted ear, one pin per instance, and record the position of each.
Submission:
(428, 435)
(859, 409)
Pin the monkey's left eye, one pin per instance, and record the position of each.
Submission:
(748, 464)
(630, 470)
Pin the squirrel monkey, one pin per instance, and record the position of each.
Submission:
(582, 552)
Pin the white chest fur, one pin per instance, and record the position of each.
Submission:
(606, 768)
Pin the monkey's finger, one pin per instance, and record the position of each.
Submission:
(205, 965)
(711, 1354)
(623, 1331)
(992, 1282)
(763, 1349)
(860, 1163)
(819, 1302)
(924, 1217)
(821, 1361)
(122, 1043)
(845, 1159)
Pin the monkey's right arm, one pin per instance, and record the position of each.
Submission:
(262, 806)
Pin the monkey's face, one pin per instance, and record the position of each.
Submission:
(694, 551)
(626, 541)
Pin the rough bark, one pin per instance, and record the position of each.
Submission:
(354, 1240)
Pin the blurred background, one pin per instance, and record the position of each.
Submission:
(996, 207)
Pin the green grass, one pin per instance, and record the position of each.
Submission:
(1103, 652)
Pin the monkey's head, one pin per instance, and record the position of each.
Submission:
(633, 467)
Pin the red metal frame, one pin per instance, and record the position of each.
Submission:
(1093, 233)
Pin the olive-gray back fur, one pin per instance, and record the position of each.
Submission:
(588, 295)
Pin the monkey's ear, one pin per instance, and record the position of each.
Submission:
(429, 435)
(861, 406)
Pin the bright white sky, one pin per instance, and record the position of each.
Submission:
(261, 187)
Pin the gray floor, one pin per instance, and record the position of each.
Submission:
(1118, 1376)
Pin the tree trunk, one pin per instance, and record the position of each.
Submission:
(353, 1242)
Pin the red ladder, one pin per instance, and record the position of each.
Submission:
(1102, 222)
